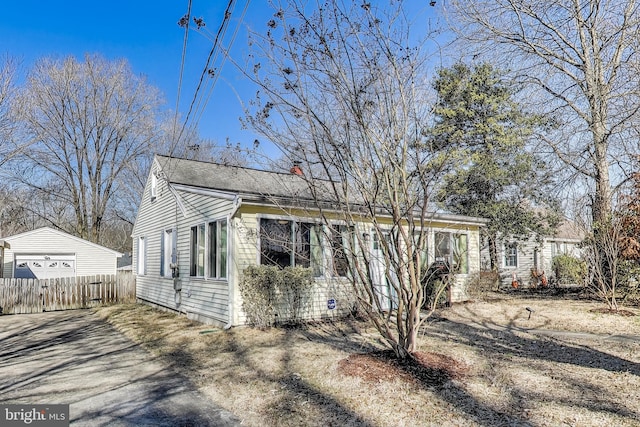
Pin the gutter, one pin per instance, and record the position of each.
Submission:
(178, 200)
(237, 203)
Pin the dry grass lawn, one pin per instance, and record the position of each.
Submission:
(483, 364)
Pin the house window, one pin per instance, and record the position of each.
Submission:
(197, 251)
(168, 251)
(511, 254)
(217, 247)
(421, 255)
(340, 245)
(559, 248)
(290, 243)
(142, 255)
(452, 249)
(154, 186)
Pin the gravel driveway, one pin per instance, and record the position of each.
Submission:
(73, 357)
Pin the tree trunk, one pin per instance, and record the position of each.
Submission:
(493, 252)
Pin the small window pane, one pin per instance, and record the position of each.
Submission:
(197, 250)
(339, 245)
(303, 245)
(213, 249)
(223, 249)
(201, 249)
(511, 255)
(275, 242)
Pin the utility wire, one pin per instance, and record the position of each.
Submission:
(225, 53)
(223, 26)
(182, 62)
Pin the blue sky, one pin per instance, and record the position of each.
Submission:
(146, 33)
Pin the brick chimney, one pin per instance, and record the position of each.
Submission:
(296, 169)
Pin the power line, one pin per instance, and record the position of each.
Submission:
(221, 30)
(225, 54)
(184, 21)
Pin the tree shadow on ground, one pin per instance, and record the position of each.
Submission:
(294, 394)
(514, 345)
(500, 345)
(75, 358)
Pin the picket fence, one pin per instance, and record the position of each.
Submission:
(18, 296)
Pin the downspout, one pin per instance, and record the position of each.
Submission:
(237, 202)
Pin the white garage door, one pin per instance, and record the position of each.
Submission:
(44, 266)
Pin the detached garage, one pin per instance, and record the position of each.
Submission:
(46, 253)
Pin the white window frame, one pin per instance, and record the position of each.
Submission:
(218, 250)
(450, 257)
(142, 256)
(511, 255)
(295, 224)
(154, 186)
(168, 253)
(195, 270)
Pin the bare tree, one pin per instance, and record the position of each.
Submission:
(604, 260)
(87, 122)
(344, 89)
(8, 69)
(580, 61)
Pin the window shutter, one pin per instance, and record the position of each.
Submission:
(162, 249)
(174, 245)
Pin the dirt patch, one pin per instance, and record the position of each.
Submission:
(430, 369)
(619, 312)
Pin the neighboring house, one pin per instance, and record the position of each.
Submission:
(534, 255)
(200, 224)
(46, 253)
(124, 262)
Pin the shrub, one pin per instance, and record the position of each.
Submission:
(482, 284)
(293, 293)
(569, 269)
(272, 295)
(628, 274)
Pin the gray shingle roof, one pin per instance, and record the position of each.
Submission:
(262, 186)
(234, 179)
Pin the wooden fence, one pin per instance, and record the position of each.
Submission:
(19, 296)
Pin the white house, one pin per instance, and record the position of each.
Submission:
(200, 224)
(526, 258)
(46, 253)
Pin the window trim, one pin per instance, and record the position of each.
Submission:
(294, 227)
(168, 251)
(347, 235)
(451, 247)
(195, 246)
(510, 254)
(154, 186)
(141, 268)
(219, 249)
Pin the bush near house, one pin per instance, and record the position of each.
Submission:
(271, 295)
(483, 284)
(569, 269)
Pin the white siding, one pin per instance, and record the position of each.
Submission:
(91, 259)
(219, 301)
(246, 253)
(202, 299)
(527, 258)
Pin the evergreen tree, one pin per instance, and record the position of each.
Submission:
(495, 177)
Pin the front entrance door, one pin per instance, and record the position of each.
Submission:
(382, 274)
